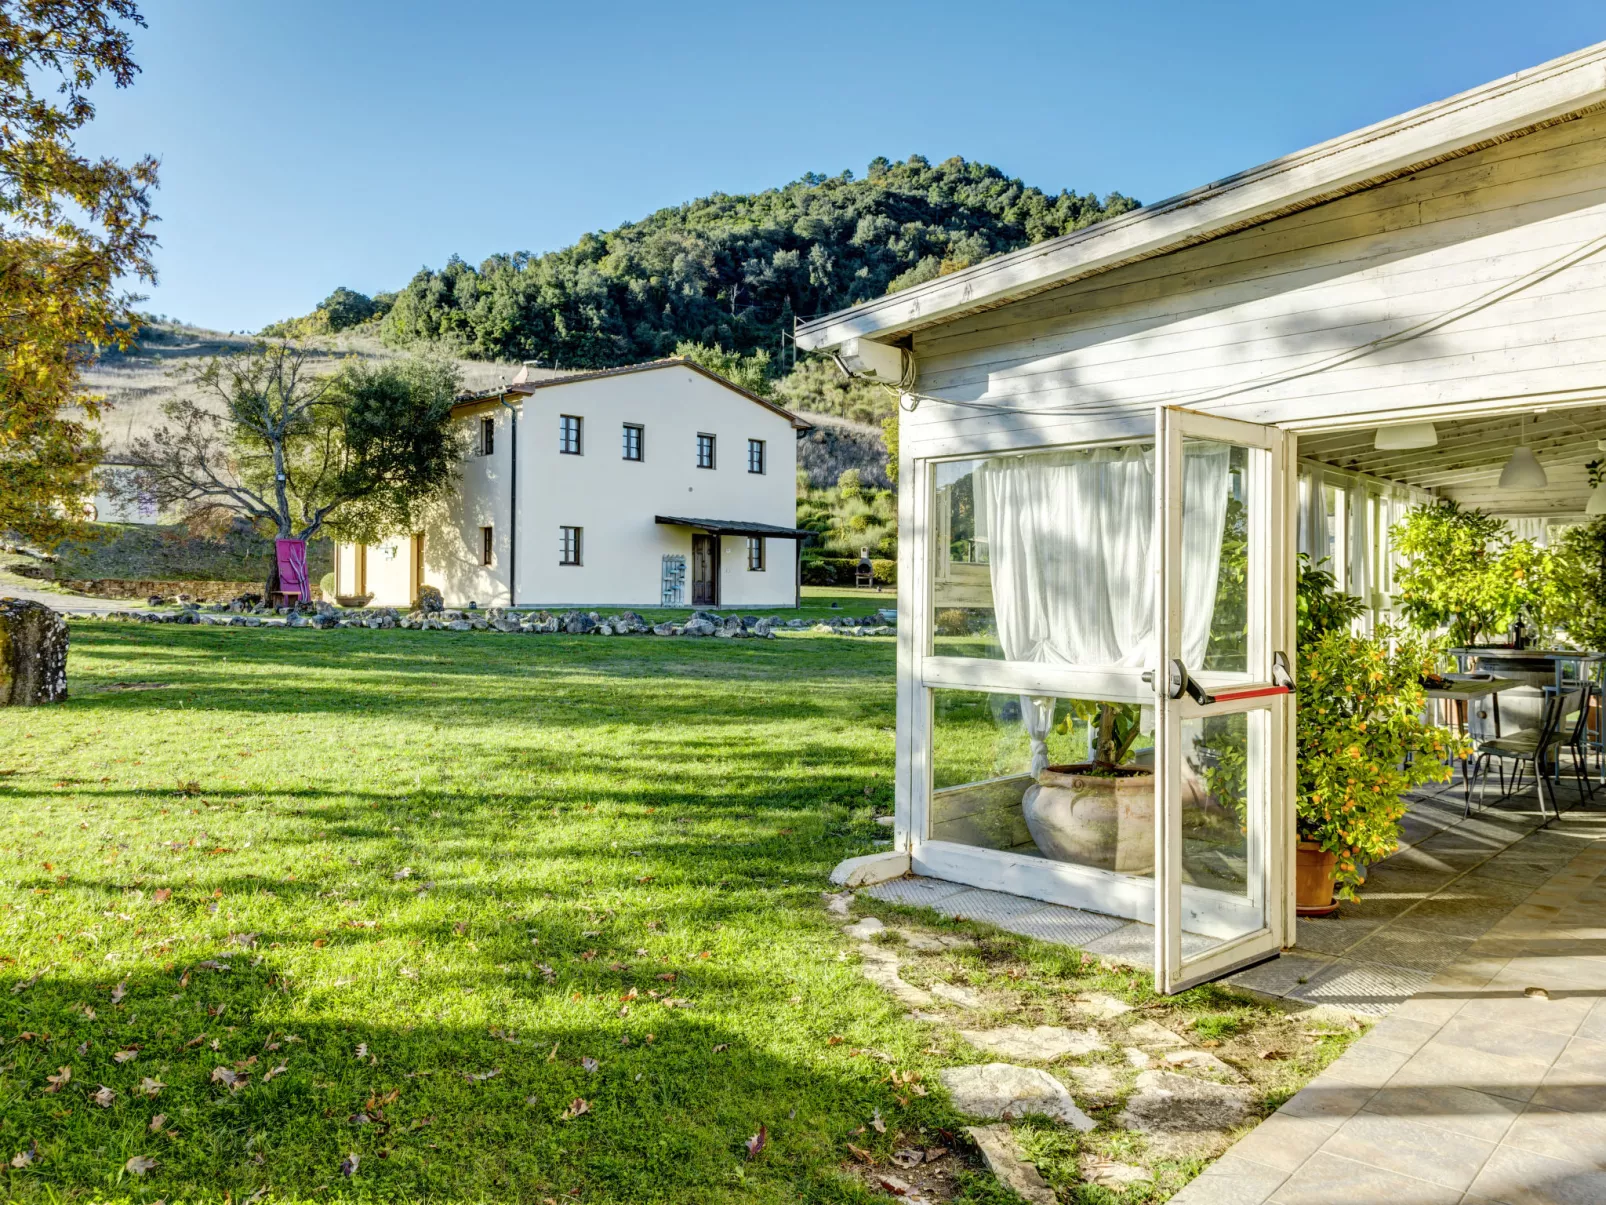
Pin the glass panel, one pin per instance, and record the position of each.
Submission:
(985, 792)
(1223, 759)
(1215, 553)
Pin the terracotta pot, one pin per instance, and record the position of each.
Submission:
(1313, 880)
(1094, 821)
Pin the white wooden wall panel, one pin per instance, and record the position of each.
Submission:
(1214, 326)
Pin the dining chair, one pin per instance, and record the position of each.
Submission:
(1560, 726)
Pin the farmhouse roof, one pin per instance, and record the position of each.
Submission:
(1557, 91)
(524, 388)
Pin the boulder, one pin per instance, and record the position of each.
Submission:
(665, 629)
(605, 629)
(577, 623)
(33, 654)
(697, 626)
(503, 624)
(452, 616)
(459, 625)
(1001, 1091)
(429, 600)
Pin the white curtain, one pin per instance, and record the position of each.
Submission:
(1537, 530)
(1313, 514)
(1070, 545)
(1358, 512)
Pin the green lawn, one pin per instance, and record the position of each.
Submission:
(423, 892)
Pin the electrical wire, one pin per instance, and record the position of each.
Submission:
(909, 399)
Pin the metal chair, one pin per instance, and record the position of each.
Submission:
(1560, 726)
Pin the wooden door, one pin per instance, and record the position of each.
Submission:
(704, 571)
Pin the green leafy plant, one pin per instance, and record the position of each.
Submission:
(1579, 560)
(1363, 744)
(1116, 728)
(1463, 572)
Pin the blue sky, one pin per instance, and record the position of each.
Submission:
(349, 142)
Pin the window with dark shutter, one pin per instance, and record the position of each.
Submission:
(569, 434)
(633, 441)
(705, 451)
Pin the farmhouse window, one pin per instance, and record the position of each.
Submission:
(633, 441)
(705, 451)
(568, 435)
(568, 545)
(487, 435)
(487, 543)
(755, 456)
(755, 554)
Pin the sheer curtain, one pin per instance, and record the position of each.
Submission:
(1313, 514)
(1070, 539)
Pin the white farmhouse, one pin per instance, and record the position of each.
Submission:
(657, 484)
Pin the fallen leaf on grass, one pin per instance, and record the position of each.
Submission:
(103, 1097)
(348, 1165)
(123, 1056)
(590, 1065)
(908, 1157)
(163, 894)
(23, 1158)
(139, 1165)
(362, 1050)
(150, 1087)
(59, 1080)
(158, 1122)
(222, 1075)
(755, 1144)
(877, 1124)
(576, 1107)
(406, 872)
(862, 1155)
(119, 992)
(477, 1076)
(195, 1041)
(279, 1070)
(722, 1046)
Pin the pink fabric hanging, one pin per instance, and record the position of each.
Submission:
(292, 556)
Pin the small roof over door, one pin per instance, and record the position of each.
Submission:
(734, 527)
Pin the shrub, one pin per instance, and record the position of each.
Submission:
(326, 587)
(886, 572)
(849, 484)
(818, 572)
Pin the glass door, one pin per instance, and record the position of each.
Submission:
(1223, 692)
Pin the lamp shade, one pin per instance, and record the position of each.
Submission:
(1404, 437)
(1523, 471)
(1597, 501)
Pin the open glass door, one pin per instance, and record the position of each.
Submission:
(1223, 690)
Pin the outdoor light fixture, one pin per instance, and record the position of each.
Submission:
(1405, 437)
(1523, 471)
(1597, 501)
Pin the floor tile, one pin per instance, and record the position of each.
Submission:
(1519, 1177)
(1410, 1148)
(1448, 1107)
(1394, 1032)
(1333, 934)
(1365, 1065)
(1327, 1179)
(1066, 926)
(1284, 1140)
(1281, 975)
(914, 891)
(1362, 988)
(1570, 1137)
(1508, 1006)
(1440, 1065)
(1402, 944)
(1511, 1041)
(1231, 1181)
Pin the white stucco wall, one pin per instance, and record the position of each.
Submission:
(614, 501)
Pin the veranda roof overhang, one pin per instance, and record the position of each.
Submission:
(735, 527)
(1557, 91)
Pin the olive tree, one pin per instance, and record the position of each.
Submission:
(301, 447)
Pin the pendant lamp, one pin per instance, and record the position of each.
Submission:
(1523, 471)
(1404, 437)
(1597, 501)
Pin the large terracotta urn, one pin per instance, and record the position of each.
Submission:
(1314, 872)
(1094, 820)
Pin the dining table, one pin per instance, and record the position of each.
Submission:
(1457, 693)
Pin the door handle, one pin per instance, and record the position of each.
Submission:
(1179, 682)
(1282, 673)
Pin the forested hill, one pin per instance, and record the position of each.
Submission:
(726, 270)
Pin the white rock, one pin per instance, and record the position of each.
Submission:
(870, 868)
(837, 902)
(1204, 1063)
(1168, 1103)
(1147, 1033)
(865, 929)
(1004, 1160)
(954, 994)
(1096, 1004)
(1003, 1090)
(1136, 1057)
(1041, 1043)
(1107, 1173)
(1097, 1079)
(880, 967)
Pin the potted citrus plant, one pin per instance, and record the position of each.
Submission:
(1363, 744)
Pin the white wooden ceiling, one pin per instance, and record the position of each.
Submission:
(1466, 463)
